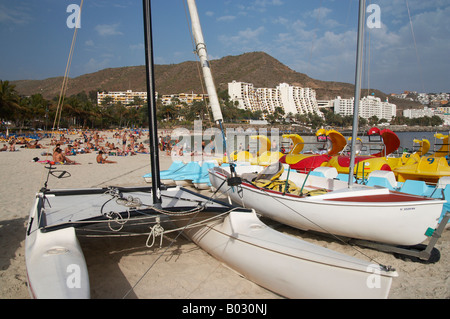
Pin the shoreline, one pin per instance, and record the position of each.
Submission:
(184, 271)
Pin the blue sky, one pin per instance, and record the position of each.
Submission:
(316, 37)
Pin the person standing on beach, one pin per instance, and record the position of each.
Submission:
(124, 141)
(132, 141)
(12, 145)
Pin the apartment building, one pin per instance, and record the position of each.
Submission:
(417, 113)
(369, 106)
(291, 99)
(124, 97)
(188, 98)
(244, 94)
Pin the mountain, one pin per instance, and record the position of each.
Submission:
(258, 68)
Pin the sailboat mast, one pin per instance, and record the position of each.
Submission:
(200, 48)
(361, 21)
(151, 102)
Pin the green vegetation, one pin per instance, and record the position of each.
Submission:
(78, 111)
(81, 111)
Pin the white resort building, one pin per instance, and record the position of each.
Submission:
(417, 113)
(291, 99)
(369, 106)
(189, 99)
(126, 98)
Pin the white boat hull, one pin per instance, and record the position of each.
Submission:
(56, 268)
(202, 186)
(340, 212)
(183, 183)
(286, 265)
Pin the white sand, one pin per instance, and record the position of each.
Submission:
(184, 271)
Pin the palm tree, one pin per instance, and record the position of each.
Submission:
(193, 112)
(9, 101)
(258, 115)
(167, 112)
(373, 120)
(278, 113)
(137, 102)
(34, 109)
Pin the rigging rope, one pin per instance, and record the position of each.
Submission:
(197, 64)
(188, 225)
(66, 77)
(62, 93)
(208, 109)
(415, 45)
(155, 231)
(368, 58)
(314, 38)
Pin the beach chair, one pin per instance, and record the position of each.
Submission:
(414, 187)
(328, 172)
(446, 206)
(175, 166)
(383, 179)
(379, 181)
(191, 169)
(201, 180)
(344, 177)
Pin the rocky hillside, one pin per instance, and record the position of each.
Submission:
(258, 68)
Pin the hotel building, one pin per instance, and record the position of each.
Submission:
(189, 99)
(369, 106)
(291, 99)
(126, 98)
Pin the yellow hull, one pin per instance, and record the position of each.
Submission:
(364, 165)
(428, 169)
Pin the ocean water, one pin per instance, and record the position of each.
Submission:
(241, 140)
(407, 139)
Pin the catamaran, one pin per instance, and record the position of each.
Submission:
(286, 265)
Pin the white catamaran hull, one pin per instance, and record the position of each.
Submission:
(286, 265)
(56, 268)
(374, 214)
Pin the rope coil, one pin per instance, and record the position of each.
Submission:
(155, 231)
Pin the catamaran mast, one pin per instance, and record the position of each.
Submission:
(203, 55)
(361, 21)
(200, 48)
(151, 102)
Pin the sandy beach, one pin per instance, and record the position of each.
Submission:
(183, 271)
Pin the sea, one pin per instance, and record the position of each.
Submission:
(407, 139)
(241, 140)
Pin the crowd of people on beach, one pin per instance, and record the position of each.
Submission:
(177, 148)
(64, 145)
